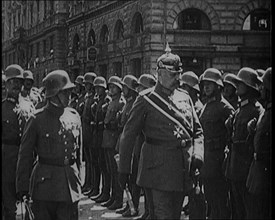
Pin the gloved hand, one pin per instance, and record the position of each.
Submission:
(251, 126)
(123, 178)
(196, 164)
(22, 196)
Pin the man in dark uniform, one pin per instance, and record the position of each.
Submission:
(28, 83)
(241, 156)
(12, 130)
(89, 188)
(213, 117)
(229, 90)
(53, 134)
(190, 82)
(259, 177)
(110, 137)
(77, 91)
(173, 147)
(99, 109)
(129, 85)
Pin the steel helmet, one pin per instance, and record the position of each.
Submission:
(231, 79)
(28, 75)
(14, 71)
(267, 79)
(3, 78)
(115, 80)
(79, 80)
(100, 81)
(191, 79)
(56, 81)
(147, 80)
(169, 61)
(249, 77)
(89, 77)
(130, 81)
(213, 75)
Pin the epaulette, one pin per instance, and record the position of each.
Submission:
(146, 91)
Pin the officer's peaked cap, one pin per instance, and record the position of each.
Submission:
(14, 71)
(56, 81)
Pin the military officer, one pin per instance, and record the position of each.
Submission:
(89, 187)
(213, 117)
(229, 90)
(54, 136)
(12, 130)
(129, 85)
(190, 82)
(110, 137)
(259, 177)
(28, 83)
(173, 147)
(248, 83)
(99, 109)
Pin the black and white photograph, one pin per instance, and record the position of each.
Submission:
(136, 109)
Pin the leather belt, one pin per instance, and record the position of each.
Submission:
(57, 162)
(178, 143)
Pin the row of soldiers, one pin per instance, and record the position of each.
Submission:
(163, 134)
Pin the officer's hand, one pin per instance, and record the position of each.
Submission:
(23, 196)
(196, 164)
(251, 126)
(123, 179)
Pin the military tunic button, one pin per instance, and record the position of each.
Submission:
(66, 150)
(64, 136)
(8, 121)
(66, 142)
(42, 178)
(20, 134)
(47, 135)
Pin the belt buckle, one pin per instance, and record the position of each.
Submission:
(66, 161)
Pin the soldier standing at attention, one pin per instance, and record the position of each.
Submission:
(99, 109)
(89, 188)
(259, 176)
(77, 91)
(213, 116)
(241, 156)
(190, 82)
(173, 147)
(110, 137)
(229, 89)
(129, 85)
(13, 120)
(54, 135)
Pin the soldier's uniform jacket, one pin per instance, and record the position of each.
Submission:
(111, 131)
(54, 135)
(80, 104)
(99, 109)
(12, 131)
(259, 177)
(87, 118)
(241, 152)
(164, 163)
(124, 115)
(213, 116)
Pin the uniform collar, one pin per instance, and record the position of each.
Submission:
(214, 98)
(244, 102)
(162, 91)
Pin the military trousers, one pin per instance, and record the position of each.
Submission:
(52, 210)
(259, 206)
(106, 176)
(8, 200)
(94, 152)
(164, 204)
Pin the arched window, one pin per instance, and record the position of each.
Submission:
(104, 34)
(137, 23)
(91, 38)
(119, 30)
(257, 20)
(192, 19)
(76, 43)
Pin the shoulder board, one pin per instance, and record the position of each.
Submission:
(146, 91)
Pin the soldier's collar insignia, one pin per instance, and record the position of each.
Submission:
(243, 103)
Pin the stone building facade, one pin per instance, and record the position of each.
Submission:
(126, 37)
